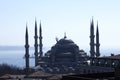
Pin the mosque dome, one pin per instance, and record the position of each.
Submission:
(65, 46)
(65, 50)
(65, 41)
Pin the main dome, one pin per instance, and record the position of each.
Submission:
(65, 50)
(65, 41)
(64, 46)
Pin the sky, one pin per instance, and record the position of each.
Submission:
(58, 17)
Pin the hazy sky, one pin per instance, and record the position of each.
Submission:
(57, 17)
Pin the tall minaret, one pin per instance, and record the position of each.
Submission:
(36, 45)
(97, 42)
(26, 49)
(40, 45)
(92, 50)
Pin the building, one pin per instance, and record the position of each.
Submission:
(64, 53)
(65, 56)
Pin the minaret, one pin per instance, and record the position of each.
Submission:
(40, 45)
(97, 42)
(92, 50)
(26, 50)
(36, 45)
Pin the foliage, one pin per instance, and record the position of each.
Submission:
(10, 69)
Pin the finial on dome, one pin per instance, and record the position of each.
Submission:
(56, 39)
(65, 35)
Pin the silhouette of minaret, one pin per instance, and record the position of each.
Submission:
(26, 49)
(92, 50)
(36, 45)
(40, 38)
(97, 42)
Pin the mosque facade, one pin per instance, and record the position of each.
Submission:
(65, 54)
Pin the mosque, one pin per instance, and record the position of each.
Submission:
(64, 56)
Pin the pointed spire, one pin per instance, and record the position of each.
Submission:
(26, 36)
(40, 28)
(35, 27)
(92, 21)
(97, 42)
(40, 38)
(26, 31)
(97, 31)
(26, 50)
(92, 26)
(92, 49)
(36, 44)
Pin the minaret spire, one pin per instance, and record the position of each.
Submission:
(36, 44)
(97, 42)
(26, 50)
(92, 50)
(40, 38)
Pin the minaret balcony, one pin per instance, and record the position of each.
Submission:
(26, 46)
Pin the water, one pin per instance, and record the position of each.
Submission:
(14, 55)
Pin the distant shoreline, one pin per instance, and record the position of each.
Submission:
(104, 51)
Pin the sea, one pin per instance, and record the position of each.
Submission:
(14, 55)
